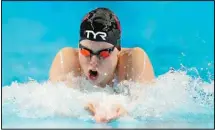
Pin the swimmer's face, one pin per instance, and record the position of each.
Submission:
(101, 67)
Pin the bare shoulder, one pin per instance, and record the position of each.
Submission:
(65, 61)
(134, 64)
(130, 50)
(66, 55)
(69, 50)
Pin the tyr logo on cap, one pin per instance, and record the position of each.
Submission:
(103, 35)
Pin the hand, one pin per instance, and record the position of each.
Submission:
(119, 111)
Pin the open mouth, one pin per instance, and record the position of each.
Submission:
(93, 74)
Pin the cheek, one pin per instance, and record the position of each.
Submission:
(82, 58)
(109, 65)
(83, 61)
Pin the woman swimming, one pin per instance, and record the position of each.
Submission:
(100, 57)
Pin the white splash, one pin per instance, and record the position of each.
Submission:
(174, 92)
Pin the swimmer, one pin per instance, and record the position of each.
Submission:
(100, 58)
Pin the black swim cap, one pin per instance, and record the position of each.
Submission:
(101, 25)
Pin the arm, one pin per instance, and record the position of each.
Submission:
(65, 61)
(142, 72)
(135, 65)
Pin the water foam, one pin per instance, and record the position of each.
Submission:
(172, 96)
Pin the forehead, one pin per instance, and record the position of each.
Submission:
(95, 45)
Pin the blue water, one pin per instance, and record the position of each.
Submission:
(177, 35)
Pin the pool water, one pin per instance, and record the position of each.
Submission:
(177, 36)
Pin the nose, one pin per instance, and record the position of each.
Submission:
(94, 61)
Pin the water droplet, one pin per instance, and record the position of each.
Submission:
(183, 54)
(203, 41)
